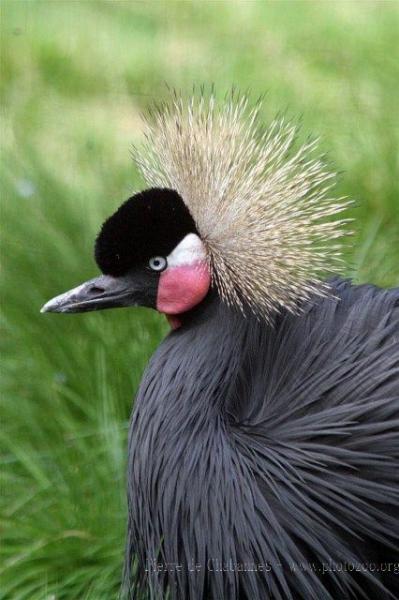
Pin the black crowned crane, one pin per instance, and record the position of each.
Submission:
(263, 445)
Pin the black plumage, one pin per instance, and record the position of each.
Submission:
(273, 448)
(150, 222)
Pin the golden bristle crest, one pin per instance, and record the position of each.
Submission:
(260, 203)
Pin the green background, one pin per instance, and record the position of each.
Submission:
(75, 78)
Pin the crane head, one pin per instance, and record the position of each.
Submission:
(246, 207)
(150, 254)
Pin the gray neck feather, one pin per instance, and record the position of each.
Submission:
(270, 445)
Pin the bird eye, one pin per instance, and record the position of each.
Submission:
(158, 263)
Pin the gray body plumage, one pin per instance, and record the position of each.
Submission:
(270, 447)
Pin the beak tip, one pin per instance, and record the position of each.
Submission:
(46, 307)
(52, 305)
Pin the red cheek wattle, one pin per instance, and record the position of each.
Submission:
(183, 287)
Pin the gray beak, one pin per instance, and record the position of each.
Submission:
(95, 294)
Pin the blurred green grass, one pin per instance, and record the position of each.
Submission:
(75, 77)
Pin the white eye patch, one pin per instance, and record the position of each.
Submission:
(190, 250)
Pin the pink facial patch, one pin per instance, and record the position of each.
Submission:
(182, 287)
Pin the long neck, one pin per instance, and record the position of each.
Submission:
(178, 435)
(196, 365)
